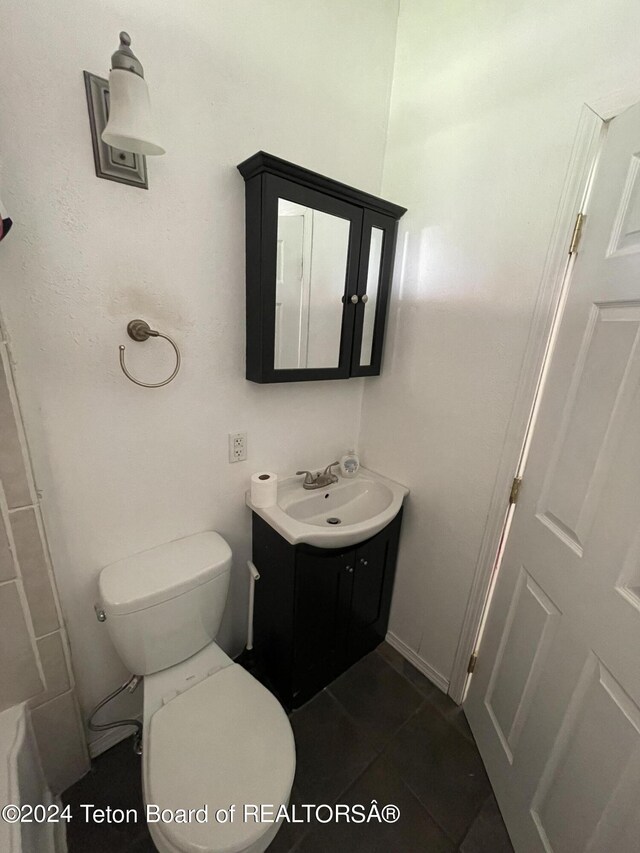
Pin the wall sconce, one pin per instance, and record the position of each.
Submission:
(122, 129)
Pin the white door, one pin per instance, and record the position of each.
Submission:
(554, 703)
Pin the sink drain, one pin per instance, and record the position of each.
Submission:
(333, 520)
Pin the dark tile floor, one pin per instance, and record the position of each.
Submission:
(380, 732)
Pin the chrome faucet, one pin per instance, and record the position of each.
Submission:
(319, 481)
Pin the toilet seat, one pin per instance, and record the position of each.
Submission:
(225, 741)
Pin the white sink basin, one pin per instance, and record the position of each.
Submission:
(339, 515)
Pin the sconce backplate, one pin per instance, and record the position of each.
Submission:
(111, 163)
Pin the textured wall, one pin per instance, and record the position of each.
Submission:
(122, 468)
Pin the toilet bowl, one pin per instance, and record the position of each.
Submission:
(218, 750)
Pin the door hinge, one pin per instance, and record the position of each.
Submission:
(577, 233)
(472, 662)
(515, 490)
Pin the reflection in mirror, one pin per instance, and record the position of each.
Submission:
(311, 269)
(373, 278)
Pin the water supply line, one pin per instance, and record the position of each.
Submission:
(129, 685)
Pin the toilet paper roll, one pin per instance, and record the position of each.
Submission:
(264, 488)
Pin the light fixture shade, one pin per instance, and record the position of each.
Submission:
(130, 126)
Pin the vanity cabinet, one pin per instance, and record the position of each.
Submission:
(319, 259)
(319, 610)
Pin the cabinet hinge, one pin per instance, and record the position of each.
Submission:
(472, 662)
(515, 490)
(577, 233)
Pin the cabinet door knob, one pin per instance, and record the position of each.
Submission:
(355, 298)
(364, 298)
(364, 562)
(350, 568)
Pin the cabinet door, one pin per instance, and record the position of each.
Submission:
(310, 250)
(324, 581)
(374, 571)
(374, 284)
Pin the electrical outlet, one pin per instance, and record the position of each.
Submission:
(237, 446)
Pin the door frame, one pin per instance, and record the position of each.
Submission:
(590, 134)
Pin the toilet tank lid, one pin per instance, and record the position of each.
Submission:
(163, 572)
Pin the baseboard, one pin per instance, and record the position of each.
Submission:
(425, 668)
(110, 738)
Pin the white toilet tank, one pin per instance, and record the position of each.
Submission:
(165, 604)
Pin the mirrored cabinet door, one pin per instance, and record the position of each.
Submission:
(311, 275)
(370, 297)
(319, 256)
(311, 246)
(376, 262)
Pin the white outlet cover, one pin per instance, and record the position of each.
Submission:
(237, 446)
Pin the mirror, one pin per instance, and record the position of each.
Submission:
(311, 269)
(373, 280)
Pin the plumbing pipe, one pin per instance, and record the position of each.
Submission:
(254, 575)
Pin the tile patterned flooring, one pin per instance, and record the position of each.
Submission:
(381, 731)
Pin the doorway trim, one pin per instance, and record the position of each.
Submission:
(587, 144)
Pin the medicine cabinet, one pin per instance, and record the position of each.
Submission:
(319, 259)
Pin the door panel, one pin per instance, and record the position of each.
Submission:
(367, 599)
(375, 565)
(554, 703)
(322, 598)
(524, 648)
(607, 374)
(625, 237)
(590, 780)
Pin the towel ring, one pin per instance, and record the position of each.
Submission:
(138, 330)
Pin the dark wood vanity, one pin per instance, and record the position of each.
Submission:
(319, 610)
(319, 259)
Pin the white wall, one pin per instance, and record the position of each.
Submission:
(485, 106)
(123, 468)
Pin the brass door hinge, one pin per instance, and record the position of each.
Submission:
(515, 490)
(577, 233)
(472, 662)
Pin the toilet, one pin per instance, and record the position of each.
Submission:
(213, 737)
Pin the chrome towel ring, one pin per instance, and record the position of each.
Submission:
(138, 330)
